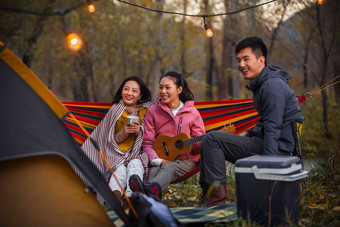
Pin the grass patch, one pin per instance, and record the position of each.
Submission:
(319, 196)
(188, 192)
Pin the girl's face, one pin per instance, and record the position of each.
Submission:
(131, 93)
(168, 91)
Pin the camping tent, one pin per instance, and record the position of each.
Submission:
(38, 156)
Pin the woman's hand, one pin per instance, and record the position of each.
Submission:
(164, 161)
(132, 128)
(128, 129)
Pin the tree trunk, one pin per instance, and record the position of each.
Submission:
(157, 67)
(324, 61)
(209, 60)
(209, 71)
(32, 40)
(325, 114)
(305, 59)
(337, 86)
(273, 38)
(182, 40)
(228, 82)
(84, 73)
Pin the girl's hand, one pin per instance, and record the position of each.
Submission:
(164, 161)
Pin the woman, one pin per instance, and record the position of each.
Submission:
(174, 113)
(119, 140)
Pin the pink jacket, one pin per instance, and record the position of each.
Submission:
(159, 120)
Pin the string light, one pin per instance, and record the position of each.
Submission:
(90, 6)
(207, 28)
(60, 12)
(76, 43)
(73, 40)
(208, 32)
(195, 15)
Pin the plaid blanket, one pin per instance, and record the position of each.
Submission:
(223, 214)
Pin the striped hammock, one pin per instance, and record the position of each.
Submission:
(239, 113)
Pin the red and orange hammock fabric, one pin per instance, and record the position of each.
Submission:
(240, 113)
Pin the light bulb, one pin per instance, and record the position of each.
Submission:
(208, 32)
(74, 42)
(320, 2)
(91, 8)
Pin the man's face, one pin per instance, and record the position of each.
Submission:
(248, 64)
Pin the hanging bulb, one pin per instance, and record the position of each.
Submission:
(320, 2)
(209, 33)
(73, 40)
(90, 6)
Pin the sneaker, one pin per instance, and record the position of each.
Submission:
(136, 184)
(154, 189)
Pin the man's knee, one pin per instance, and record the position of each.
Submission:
(212, 135)
(210, 139)
(211, 142)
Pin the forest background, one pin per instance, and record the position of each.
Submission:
(303, 37)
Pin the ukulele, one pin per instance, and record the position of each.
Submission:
(169, 147)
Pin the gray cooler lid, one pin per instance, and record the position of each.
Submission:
(268, 161)
(266, 167)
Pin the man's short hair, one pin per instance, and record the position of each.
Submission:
(255, 43)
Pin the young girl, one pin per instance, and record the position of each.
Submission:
(174, 113)
(119, 140)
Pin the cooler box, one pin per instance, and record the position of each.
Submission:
(267, 189)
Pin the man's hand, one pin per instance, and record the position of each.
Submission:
(245, 134)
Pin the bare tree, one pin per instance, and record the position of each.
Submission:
(327, 43)
(285, 3)
(182, 40)
(209, 60)
(305, 58)
(228, 79)
(157, 67)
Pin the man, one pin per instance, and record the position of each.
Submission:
(278, 109)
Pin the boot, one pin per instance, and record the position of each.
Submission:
(218, 195)
(125, 204)
(119, 197)
(203, 200)
(117, 194)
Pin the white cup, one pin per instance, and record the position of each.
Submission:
(130, 119)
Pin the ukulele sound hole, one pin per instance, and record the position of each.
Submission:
(179, 144)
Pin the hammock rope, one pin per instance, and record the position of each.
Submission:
(309, 95)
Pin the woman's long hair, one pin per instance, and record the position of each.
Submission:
(186, 94)
(144, 90)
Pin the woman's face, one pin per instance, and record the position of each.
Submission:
(168, 91)
(131, 93)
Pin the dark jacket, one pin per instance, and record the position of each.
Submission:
(278, 108)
